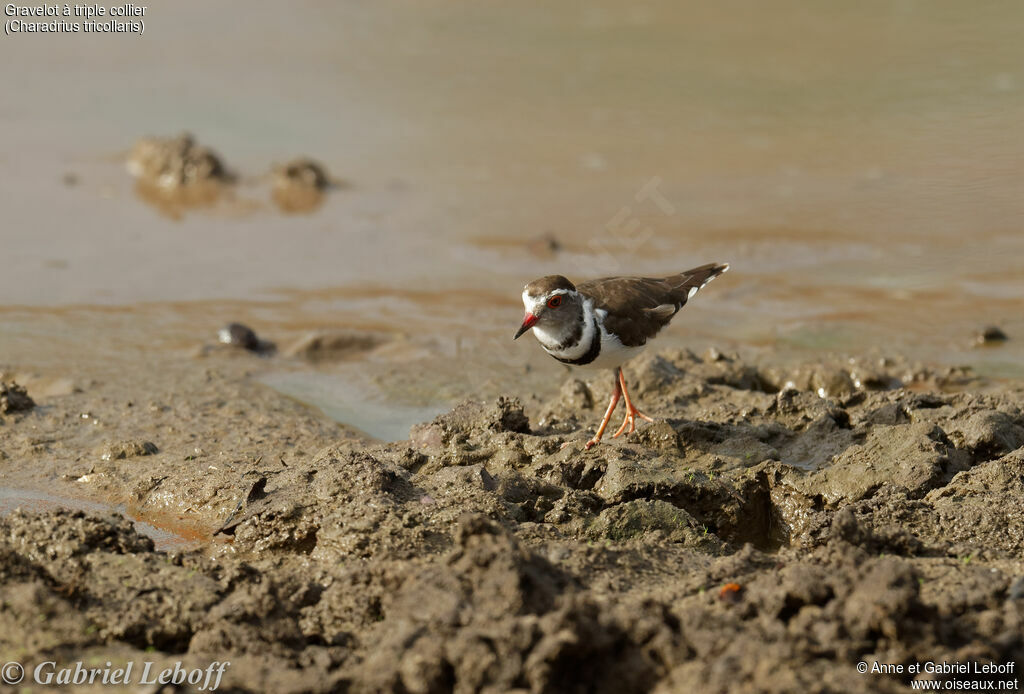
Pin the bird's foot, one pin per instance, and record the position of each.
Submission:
(630, 420)
(588, 445)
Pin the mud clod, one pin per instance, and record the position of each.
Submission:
(14, 398)
(176, 162)
(988, 435)
(508, 415)
(302, 172)
(119, 450)
(636, 518)
(175, 174)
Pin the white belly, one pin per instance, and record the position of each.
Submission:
(613, 353)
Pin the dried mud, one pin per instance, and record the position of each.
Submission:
(773, 527)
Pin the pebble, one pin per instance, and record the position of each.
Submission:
(990, 335)
(240, 336)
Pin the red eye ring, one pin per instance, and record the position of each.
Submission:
(555, 301)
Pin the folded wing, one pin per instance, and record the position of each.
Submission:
(638, 307)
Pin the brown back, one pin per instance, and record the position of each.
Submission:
(638, 307)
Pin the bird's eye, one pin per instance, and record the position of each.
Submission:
(555, 302)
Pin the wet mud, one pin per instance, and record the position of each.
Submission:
(774, 527)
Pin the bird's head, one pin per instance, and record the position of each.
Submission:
(550, 302)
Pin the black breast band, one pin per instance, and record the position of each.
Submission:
(591, 355)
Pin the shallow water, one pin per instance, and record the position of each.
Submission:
(356, 402)
(33, 500)
(859, 166)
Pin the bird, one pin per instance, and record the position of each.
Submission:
(603, 323)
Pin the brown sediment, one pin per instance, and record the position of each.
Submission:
(789, 520)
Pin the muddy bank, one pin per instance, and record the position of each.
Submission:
(775, 526)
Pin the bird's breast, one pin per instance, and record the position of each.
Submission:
(613, 353)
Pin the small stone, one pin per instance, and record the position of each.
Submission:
(239, 335)
(990, 335)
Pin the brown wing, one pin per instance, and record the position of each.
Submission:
(638, 307)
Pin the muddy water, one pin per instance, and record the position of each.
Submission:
(39, 501)
(860, 167)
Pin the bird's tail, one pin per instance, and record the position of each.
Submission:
(692, 281)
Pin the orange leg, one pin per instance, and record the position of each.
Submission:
(616, 394)
(631, 412)
(607, 416)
